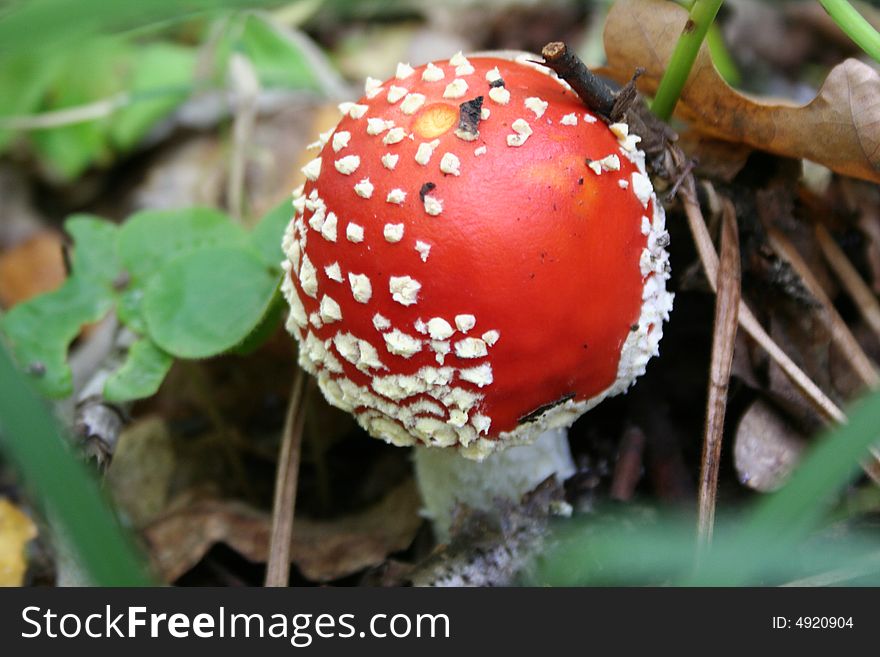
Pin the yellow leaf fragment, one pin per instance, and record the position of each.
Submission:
(16, 529)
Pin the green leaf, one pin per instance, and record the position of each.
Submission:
(160, 80)
(266, 327)
(40, 331)
(268, 233)
(206, 302)
(96, 243)
(141, 374)
(152, 238)
(128, 308)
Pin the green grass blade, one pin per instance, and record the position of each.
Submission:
(70, 495)
(791, 514)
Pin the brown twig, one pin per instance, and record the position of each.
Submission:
(278, 564)
(596, 94)
(723, 338)
(624, 105)
(849, 277)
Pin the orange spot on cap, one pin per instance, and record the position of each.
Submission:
(435, 119)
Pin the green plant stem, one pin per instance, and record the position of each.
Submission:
(854, 25)
(700, 18)
(721, 56)
(69, 493)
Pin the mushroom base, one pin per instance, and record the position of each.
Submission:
(448, 480)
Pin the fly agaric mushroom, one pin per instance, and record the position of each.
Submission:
(475, 260)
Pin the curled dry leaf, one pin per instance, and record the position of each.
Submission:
(766, 448)
(323, 550)
(839, 128)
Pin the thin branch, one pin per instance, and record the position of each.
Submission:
(568, 66)
(861, 294)
(67, 116)
(278, 565)
(724, 336)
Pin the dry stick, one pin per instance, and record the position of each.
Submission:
(703, 241)
(841, 335)
(278, 566)
(727, 305)
(568, 66)
(864, 298)
(67, 116)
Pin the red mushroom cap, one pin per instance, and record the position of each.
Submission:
(475, 257)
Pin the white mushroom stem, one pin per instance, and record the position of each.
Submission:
(448, 480)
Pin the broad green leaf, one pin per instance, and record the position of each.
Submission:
(95, 248)
(128, 308)
(151, 238)
(160, 80)
(206, 302)
(40, 330)
(141, 374)
(267, 326)
(268, 233)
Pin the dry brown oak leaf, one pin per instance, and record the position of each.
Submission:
(839, 128)
(322, 550)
